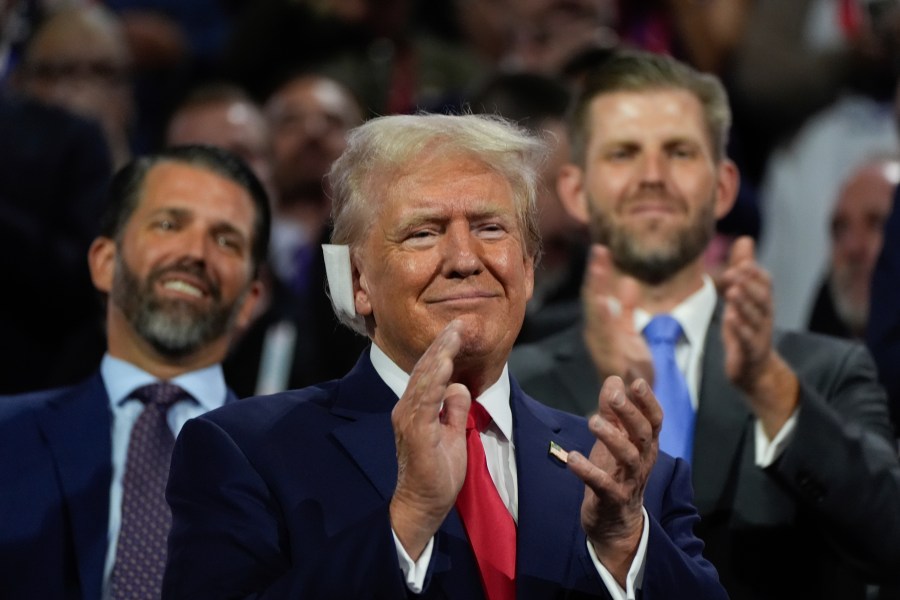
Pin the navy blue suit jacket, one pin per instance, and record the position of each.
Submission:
(287, 496)
(55, 474)
(883, 333)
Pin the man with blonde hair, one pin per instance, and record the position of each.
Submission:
(794, 468)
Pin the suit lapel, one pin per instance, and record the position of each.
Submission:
(368, 436)
(576, 373)
(548, 493)
(722, 418)
(77, 426)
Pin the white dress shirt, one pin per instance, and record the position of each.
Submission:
(694, 315)
(206, 386)
(499, 450)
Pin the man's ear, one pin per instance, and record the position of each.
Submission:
(570, 188)
(248, 309)
(727, 186)
(529, 277)
(360, 290)
(102, 263)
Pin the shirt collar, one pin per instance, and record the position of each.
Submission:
(693, 313)
(121, 378)
(494, 399)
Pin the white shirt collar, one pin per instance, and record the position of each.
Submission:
(121, 378)
(495, 399)
(693, 313)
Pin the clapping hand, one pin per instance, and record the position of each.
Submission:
(626, 426)
(429, 424)
(616, 348)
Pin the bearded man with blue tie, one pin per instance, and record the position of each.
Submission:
(794, 467)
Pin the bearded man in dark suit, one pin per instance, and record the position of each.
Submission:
(182, 239)
(794, 465)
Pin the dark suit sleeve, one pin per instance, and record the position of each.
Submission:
(232, 538)
(842, 462)
(674, 567)
(883, 335)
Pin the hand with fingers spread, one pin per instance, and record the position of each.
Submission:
(615, 346)
(751, 362)
(627, 427)
(429, 424)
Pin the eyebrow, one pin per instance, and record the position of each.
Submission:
(170, 211)
(220, 226)
(667, 141)
(482, 210)
(226, 227)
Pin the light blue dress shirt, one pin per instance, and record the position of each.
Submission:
(206, 386)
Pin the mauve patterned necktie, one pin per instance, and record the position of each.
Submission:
(146, 518)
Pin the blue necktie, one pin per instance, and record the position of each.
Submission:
(670, 387)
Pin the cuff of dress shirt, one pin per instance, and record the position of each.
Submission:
(768, 451)
(635, 576)
(413, 570)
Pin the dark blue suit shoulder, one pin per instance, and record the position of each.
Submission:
(13, 407)
(262, 412)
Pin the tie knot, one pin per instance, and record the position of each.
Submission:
(663, 329)
(479, 418)
(161, 394)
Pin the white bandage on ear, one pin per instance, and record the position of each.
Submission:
(340, 285)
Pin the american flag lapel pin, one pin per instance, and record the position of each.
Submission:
(557, 452)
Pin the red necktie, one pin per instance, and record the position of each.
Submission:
(488, 524)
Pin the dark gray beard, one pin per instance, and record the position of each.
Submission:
(174, 328)
(654, 265)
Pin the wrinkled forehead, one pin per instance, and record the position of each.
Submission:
(427, 180)
(668, 110)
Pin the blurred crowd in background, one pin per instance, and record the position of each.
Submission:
(812, 84)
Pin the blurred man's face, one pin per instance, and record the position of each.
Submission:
(236, 126)
(857, 234)
(309, 118)
(653, 188)
(181, 275)
(445, 244)
(82, 63)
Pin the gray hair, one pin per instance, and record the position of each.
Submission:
(382, 149)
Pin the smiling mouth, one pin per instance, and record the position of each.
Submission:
(463, 298)
(181, 286)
